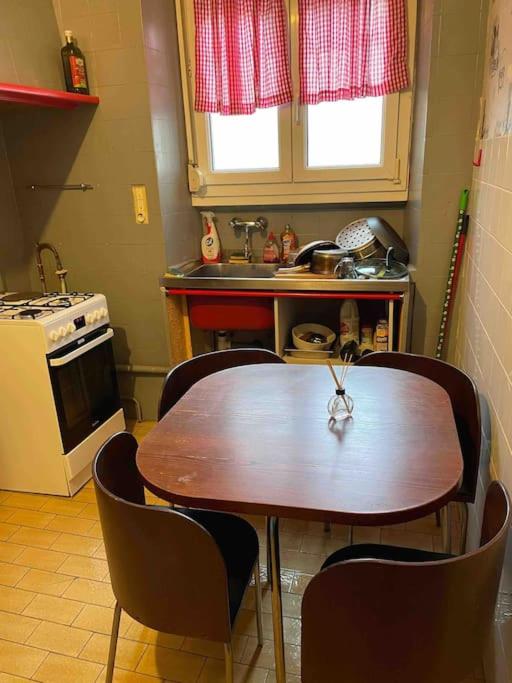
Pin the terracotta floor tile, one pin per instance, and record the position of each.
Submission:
(292, 559)
(264, 657)
(143, 634)
(300, 581)
(65, 640)
(98, 619)
(320, 545)
(7, 531)
(66, 670)
(123, 676)
(27, 501)
(76, 545)
(20, 660)
(16, 627)
(90, 511)
(34, 538)
(63, 506)
(84, 567)
(208, 648)
(48, 583)
(6, 513)
(214, 672)
(181, 667)
(10, 551)
(10, 574)
(100, 552)
(85, 495)
(14, 599)
(38, 520)
(37, 558)
(128, 652)
(366, 534)
(9, 678)
(51, 608)
(92, 592)
(71, 525)
(406, 539)
(290, 678)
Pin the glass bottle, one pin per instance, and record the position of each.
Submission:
(75, 70)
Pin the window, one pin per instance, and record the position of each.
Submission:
(343, 151)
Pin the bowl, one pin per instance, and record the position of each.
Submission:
(307, 328)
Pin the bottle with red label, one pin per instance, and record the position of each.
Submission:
(75, 70)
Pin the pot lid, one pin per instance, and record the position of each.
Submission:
(306, 252)
(375, 268)
(388, 237)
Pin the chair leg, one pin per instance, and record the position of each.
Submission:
(438, 518)
(257, 588)
(463, 507)
(228, 660)
(327, 527)
(447, 528)
(113, 644)
(269, 561)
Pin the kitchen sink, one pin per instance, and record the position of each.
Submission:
(234, 270)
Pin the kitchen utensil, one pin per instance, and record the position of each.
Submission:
(388, 237)
(382, 269)
(325, 261)
(358, 240)
(305, 253)
(346, 270)
(453, 272)
(299, 333)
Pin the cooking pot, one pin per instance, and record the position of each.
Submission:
(325, 261)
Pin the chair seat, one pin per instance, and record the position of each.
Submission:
(374, 551)
(239, 545)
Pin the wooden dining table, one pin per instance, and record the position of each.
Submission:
(258, 440)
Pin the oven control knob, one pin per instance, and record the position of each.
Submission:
(54, 335)
(96, 315)
(70, 327)
(62, 331)
(103, 312)
(89, 318)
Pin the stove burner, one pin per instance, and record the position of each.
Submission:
(57, 300)
(20, 297)
(31, 313)
(22, 313)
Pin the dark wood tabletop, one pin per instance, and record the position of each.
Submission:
(257, 439)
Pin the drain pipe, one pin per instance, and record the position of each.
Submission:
(140, 370)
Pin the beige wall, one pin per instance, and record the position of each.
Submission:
(133, 136)
(483, 344)
(449, 72)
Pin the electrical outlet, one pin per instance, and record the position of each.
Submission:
(140, 204)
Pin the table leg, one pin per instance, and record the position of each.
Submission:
(277, 608)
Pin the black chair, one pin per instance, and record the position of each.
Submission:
(181, 378)
(397, 615)
(174, 570)
(466, 410)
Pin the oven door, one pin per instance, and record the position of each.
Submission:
(84, 385)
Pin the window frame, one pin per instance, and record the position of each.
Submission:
(294, 183)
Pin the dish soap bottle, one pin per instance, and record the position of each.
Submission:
(75, 70)
(349, 323)
(289, 243)
(271, 250)
(210, 244)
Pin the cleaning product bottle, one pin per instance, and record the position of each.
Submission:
(289, 242)
(210, 244)
(349, 323)
(271, 250)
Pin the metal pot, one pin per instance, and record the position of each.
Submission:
(325, 261)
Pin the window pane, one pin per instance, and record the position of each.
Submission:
(245, 143)
(345, 133)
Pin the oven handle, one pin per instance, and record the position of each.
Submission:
(63, 360)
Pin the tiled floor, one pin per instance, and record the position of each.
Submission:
(56, 601)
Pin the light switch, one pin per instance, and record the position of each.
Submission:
(140, 204)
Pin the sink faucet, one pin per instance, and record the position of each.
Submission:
(60, 272)
(238, 225)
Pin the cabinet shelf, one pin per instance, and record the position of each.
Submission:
(43, 97)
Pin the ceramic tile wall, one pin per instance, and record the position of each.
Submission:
(449, 70)
(484, 331)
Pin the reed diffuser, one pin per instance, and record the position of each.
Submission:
(340, 405)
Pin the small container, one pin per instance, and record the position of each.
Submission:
(346, 270)
(289, 243)
(366, 338)
(381, 337)
(340, 406)
(271, 250)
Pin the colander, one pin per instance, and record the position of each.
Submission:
(358, 239)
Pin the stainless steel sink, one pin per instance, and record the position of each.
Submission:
(234, 270)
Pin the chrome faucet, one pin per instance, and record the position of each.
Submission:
(238, 225)
(60, 272)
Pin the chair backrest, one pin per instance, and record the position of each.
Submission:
(397, 622)
(186, 374)
(166, 570)
(463, 396)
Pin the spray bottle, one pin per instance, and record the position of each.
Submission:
(210, 244)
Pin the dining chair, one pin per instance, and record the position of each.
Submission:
(175, 570)
(181, 378)
(466, 410)
(396, 615)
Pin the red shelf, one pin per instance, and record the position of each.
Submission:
(43, 97)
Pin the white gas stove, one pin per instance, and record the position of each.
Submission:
(59, 399)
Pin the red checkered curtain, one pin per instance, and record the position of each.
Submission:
(241, 55)
(352, 48)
